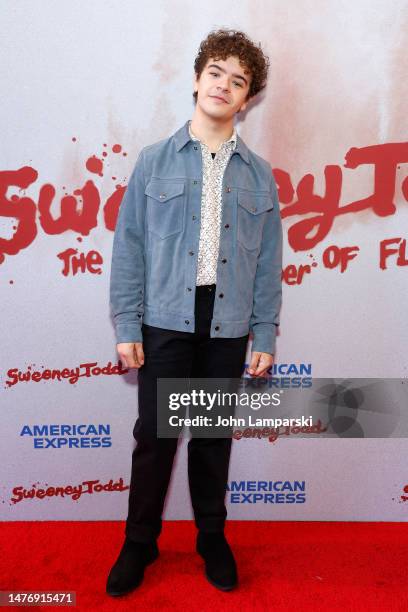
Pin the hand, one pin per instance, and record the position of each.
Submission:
(131, 354)
(260, 363)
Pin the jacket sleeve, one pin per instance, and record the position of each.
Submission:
(268, 281)
(128, 265)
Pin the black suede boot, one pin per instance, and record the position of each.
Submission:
(220, 566)
(128, 570)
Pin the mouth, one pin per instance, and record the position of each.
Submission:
(219, 98)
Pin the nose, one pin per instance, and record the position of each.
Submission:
(224, 86)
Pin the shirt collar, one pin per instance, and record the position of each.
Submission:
(232, 139)
(182, 137)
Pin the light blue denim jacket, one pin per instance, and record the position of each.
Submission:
(155, 245)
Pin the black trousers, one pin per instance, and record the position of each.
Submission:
(175, 354)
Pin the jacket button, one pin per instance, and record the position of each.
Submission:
(228, 189)
(191, 252)
(195, 182)
(188, 288)
(162, 195)
(195, 147)
(221, 295)
(186, 322)
(224, 260)
(226, 225)
(217, 327)
(194, 217)
(254, 209)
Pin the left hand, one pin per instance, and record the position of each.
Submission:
(260, 363)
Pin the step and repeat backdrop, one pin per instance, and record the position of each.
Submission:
(85, 86)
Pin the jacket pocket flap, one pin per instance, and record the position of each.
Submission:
(164, 191)
(255, 203)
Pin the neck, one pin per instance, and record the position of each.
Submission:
(213, 132)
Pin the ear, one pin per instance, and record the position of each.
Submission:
(195, 82)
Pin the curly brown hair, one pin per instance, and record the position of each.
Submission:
(221, 44)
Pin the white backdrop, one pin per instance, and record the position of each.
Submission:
(81, 77)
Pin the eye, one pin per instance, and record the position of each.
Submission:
(237, 83)
(214, 73)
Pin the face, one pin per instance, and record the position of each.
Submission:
(222, 87)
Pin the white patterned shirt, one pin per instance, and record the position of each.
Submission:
(211, 202)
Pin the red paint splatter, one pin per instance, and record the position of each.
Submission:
(104, 154)
(116, 148)
(95, 165)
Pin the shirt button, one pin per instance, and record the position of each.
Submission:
(186, 322)
(195, 182)
(191, 252)
(217, 327)
(162, 195)
(194, 217)
(254, 209)
(224, 260)
(221, 295)
(226, 225)
(195, 147)
(188, 288)
(228, 189)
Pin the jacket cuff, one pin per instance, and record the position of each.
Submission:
(129, 332)
(264, 340)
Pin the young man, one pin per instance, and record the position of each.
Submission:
(196, 266)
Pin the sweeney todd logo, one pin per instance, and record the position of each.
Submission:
(72, 375)
(314, 214)
(74, 492)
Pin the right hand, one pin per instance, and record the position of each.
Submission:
(131, 354)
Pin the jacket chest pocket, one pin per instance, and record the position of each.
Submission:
(165, 208)
(252, 207)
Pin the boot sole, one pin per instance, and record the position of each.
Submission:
(132, 588)
(221, 587)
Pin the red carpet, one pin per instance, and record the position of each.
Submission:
(282, 566)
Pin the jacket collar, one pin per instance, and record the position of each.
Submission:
(182, 137)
